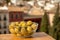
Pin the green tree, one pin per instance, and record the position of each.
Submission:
(45, 23)
(55, 22)
(56, 17)
(58, 31)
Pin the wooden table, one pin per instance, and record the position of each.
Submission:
(36, 36)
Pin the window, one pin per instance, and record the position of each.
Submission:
(0, 18)
(16, 16)
(5, 18)
(4, 32)
(5, 25)
(0, 32)
(11, 16)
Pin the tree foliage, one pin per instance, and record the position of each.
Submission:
(44, 23)
(55, 22)
(56, 17)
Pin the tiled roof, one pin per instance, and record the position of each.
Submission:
(13, 8)
(17, 8)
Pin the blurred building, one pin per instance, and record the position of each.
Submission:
(15, 14)
(33, 10)
(4, 20)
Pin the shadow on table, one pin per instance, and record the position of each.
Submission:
(38, 35)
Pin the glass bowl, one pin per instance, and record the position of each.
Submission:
(26, 31)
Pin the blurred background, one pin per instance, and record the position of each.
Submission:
(44, 12)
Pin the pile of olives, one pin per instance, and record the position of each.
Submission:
(23, 28)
